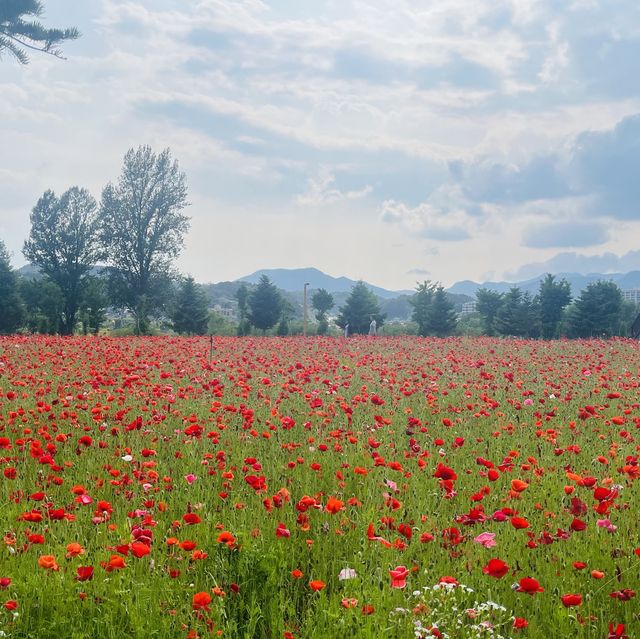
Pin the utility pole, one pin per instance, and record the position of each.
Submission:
(304, 311)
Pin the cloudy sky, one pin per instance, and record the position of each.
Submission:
(389, 140)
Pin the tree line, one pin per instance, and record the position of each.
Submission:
(599, 311)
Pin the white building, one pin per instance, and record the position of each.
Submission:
(632, 295)
(226, 312)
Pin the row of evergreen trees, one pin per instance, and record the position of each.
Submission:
(599, 311)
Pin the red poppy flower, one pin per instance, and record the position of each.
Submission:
(317, 585)
(139, 549)
(201, 601)
(578, 525)
(529, 586)
(445, 473)
(333, 505)
(227, 538)
(519, 523)
(617, 632)
(496, 568)
(84, 573)
(571, 600)
(282, 531)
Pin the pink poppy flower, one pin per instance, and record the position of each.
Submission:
(399, 577)
(487, 539)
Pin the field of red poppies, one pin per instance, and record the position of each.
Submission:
(397, 487)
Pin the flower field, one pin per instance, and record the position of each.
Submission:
(318, 487)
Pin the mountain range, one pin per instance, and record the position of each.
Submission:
(293, 280)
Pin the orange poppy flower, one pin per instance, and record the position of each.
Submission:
(201, 601)
(74, 549)
(333, 505)
(48, 562)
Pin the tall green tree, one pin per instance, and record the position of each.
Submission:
(20, 31)
(488, 304)
(265, 304)
(552, 298)
(442, 317)
(190, 313)
(597, 312)
(142, 225)
(64, 244)
(11, 304)
(421, 303)
(322, 302)
(287, 311)
(242, 295)
(44, 304)
(359, 309)
(517, 314)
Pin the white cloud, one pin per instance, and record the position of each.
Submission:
(321, 192)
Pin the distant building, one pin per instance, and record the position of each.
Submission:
(632, 295)
(227, 312)
(468, 308)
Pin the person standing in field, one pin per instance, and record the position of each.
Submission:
(372, 327)
(346, 330)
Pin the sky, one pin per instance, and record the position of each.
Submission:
(387, 140)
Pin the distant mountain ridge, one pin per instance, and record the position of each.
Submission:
(294, 279)
(578, 282)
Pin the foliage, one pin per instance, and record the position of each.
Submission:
(400, 328)
(44, 304)
(552, 298)
(244, 325)
(442, 317)
(359, 309)
(19, 31)
(421, 303)
(143, 228)
(94, 300)
(470, 324)
(287, 311)
(265, 304)
(11, 305)
(219, 325)
(517, 314)
(64, 244)
(190, 313)
(596, 312)
(322, 301)
(433, 311)
(488, 304)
